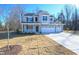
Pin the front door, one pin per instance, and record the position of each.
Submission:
(37, 28)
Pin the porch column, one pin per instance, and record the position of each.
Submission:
(34, 18)
(39, 28)
(34, 28)
(55, 28)
(22, 27)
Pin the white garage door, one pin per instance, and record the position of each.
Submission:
(58, 29)
(47, 29)
(51, 29)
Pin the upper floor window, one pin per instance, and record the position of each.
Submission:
(29, 19)
(51, 19)
(44, 18)
(36, 19)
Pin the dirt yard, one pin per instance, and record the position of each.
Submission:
(36, 45)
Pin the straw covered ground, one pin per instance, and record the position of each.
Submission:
(33, 45)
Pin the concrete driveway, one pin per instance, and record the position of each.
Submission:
(68, 40)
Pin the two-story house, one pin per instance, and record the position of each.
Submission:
(40, 22)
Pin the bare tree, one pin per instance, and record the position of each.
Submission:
(13, 21)
(1, 18)
(61, 17)
(75, 20)
(14, 17)
(68, 12)
(0, 24)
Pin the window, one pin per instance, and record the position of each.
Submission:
(36, 19)
(30, 19)
(44, 18)
(29, 27)
(51, 19)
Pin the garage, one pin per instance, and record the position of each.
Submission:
(51, 29)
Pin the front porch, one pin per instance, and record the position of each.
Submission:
(31, 29)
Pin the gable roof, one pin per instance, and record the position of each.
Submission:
(42, 12)
(51, 16)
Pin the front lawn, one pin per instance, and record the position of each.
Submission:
(36, 45)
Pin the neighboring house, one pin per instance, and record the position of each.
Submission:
(40, 22)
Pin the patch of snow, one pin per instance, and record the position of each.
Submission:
(68, 40)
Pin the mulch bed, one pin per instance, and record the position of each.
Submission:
(10, 50)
